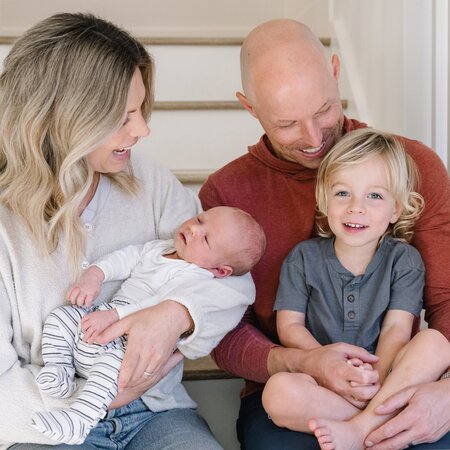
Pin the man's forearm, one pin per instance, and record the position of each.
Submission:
(244, 352)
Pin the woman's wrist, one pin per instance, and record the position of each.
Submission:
(181, 317)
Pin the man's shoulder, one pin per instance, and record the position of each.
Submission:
(237, 167)
(418, 150)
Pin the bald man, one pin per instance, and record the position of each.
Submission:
(291, 86)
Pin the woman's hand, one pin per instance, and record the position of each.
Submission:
(152, 337)
(130, 394)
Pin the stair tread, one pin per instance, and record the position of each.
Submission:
(203, 369)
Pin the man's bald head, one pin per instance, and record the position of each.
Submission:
(292, 87)
(281, 45)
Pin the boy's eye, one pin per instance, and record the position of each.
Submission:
(342, 194)
(374, 195)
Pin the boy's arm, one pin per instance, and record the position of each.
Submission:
(292, 331)
(395, 334)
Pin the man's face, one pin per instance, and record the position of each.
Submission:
(301, 114)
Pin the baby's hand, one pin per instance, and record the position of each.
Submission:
(86, 289)
(95, 323)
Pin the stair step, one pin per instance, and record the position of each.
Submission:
(202, 105)
(8, 40)
(203, 369)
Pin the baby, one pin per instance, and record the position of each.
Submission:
(220, 242)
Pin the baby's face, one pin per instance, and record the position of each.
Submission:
(206, 239)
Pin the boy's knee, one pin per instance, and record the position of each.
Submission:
(279, 390)
(431, 337)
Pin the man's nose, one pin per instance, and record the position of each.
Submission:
(311, 134)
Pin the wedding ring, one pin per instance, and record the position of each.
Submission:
(148, 374)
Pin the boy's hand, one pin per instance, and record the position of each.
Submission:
(86, 289)
(96, 322)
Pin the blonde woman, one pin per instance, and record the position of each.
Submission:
(75, 97)
(360, 283)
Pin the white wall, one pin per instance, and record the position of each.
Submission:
(396, 56)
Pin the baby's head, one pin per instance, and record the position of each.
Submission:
(367, 182)
(224, 240)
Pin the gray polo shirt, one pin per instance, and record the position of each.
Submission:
(341, 307)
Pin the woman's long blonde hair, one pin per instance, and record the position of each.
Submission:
(63, 91)
(357, 147)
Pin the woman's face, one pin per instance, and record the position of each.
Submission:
(112, 156)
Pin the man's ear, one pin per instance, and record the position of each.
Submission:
(336, 64)
(221, 271)
(245, 103)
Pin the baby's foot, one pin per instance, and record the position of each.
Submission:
(336, 435)
(57, 380)
(63, 425)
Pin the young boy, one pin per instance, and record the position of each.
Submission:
(217, 243)
(360, 283)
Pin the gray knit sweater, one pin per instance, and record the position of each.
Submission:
(31, 286)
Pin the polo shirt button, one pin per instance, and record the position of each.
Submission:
(88, 226)
(351, 298)
(84, 264)
(351, 314)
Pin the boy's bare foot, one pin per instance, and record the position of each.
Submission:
(337, 435)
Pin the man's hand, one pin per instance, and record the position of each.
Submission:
(425, 417)
(329, 366)
(86, 289)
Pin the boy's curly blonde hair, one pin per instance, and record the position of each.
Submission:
(358, 146)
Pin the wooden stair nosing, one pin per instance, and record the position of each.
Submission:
(203, 369)
(145, 40)
(202, 105)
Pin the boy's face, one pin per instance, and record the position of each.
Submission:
(360, 205)
(208, 238)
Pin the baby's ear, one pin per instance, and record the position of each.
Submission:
(221, 271)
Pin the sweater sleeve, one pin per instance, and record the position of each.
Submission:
(172, 203)
(19, 394)
(243, 351)
(432, 235)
